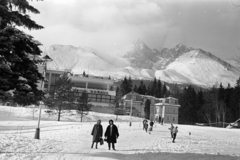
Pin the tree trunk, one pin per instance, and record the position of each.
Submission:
(81, 116)
(59, 113)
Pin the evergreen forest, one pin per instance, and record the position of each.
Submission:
(215, 106)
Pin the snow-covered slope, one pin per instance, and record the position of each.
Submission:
(78, 60)
(199, 67)
(180, 64)
(71, 139)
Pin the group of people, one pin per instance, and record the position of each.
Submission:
(111, 134)
(145, 126)
(173, 130)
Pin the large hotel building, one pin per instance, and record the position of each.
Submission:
(101, 90)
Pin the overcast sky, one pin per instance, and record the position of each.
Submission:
(107, 25)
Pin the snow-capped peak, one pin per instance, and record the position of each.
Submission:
(180, 64)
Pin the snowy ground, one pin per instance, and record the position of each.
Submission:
(71, 140)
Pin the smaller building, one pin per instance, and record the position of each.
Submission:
(167, 110)
(161, 109)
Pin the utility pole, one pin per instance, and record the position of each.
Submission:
(130, 123)
(45, 59)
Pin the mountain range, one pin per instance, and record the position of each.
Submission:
(181, 64)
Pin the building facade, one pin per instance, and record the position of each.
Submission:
(167, 110)
(100, 90)
(161, 109)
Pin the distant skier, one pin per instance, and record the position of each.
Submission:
(171, 130)
(111, 134)
(151, 127)
(97, 133)
(175, 131)
(146, 126)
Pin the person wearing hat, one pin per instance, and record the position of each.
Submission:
(111, 135)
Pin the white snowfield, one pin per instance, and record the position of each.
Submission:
(71, 140)
(192, 67)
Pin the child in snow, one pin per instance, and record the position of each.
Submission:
(175, 131)
(151, 127)
(171, 130)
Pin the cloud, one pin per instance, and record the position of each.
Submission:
(98, 15)
(110, 24)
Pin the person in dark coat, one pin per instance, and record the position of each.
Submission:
(146, 126)
(160, 118)
(97, 133)
(111, 135)
(175, 131)
(144, 122)
(151, 127)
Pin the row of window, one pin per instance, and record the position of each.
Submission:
(168, 110)
(169, 119)
(101, 100)
(98, 97)
(171, 110)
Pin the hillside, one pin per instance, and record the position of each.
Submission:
(181, 64)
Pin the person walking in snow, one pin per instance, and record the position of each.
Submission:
(159, 120)
(171, 130)
(144, 122)
(175, 131)
(97, 133)
(111, 135)
(151, 127)
(146, 126)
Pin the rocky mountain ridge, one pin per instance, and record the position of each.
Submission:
(180, 64)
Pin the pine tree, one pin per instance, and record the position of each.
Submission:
(148, 90)
(130, 85)
(187, 111)
(126, 86)
(19, 74)
(238, 82)
(135, 89)
(159, 89)
(199, 105)
(140, 88)
(154, 87)
(82, 106)
(144, 89)
(164, 90)
(63, 97)
(237, 94)
(221, 92)
(147, 109)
